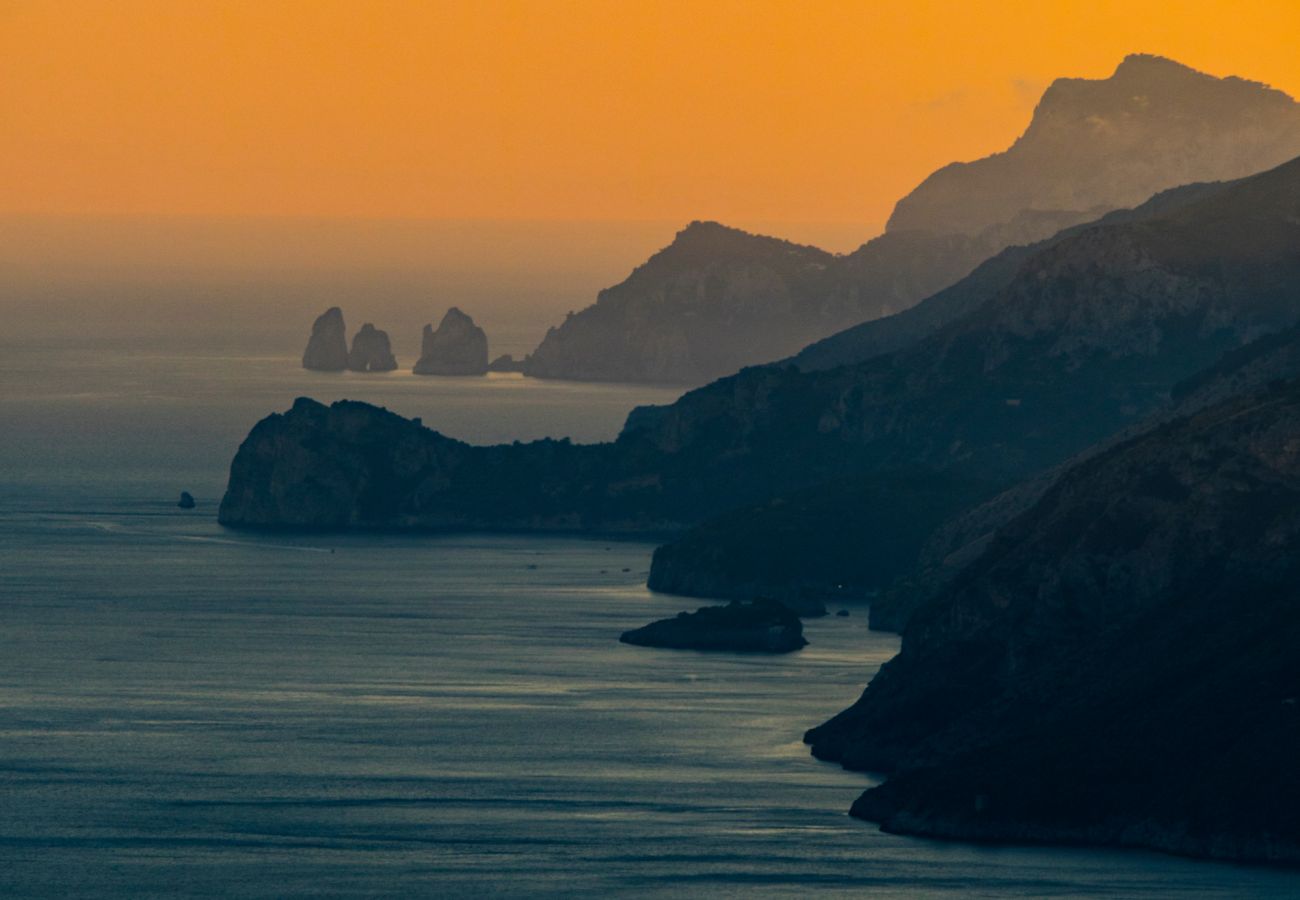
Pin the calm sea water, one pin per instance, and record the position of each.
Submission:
(190, 711)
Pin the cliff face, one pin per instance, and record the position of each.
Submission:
(458, 347)
(356, 466)
(1100, 144)
(327, 348)
(718, 299)
(1118, 666)
(371, 351)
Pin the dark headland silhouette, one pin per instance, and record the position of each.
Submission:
(1072, 473)
(1120, 665)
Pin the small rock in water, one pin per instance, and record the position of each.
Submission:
(843, 612)
(764, 626)
(186, 501)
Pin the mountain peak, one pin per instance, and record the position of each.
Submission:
(704, 241)
(1142, 63)
(1101, 144)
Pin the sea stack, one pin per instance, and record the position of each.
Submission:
(458, 347)
(327, 349)
(371, 351)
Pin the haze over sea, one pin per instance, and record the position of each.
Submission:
(190, 711)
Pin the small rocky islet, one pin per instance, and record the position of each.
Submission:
(757, 626)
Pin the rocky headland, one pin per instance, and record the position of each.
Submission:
(759, 626)
(1118, 665)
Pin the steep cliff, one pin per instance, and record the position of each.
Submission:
(1118, 666)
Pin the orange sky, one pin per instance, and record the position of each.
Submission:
(753, 111)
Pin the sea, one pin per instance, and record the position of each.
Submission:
(188, 711)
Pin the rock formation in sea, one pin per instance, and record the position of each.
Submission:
(1088, 338)
(506, 363)
(763, 626)
(327, 348)
(186, 501)
(718, 299)
(457, 347)
(371, 351)
(1119, 665)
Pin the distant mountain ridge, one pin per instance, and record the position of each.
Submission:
(662, 323)
(718, 299)
(1095, 145)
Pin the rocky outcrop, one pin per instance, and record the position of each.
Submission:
(457, 347)
(186, 501)
(506, 363)
(327, 348)
(1095, 145)
(762, 626)
(371, 351)
(1118, 666)
(718, 299)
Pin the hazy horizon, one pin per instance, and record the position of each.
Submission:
(259, 281)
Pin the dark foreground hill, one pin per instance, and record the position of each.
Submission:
(1119, 666)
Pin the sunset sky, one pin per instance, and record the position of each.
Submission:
(754, 111)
